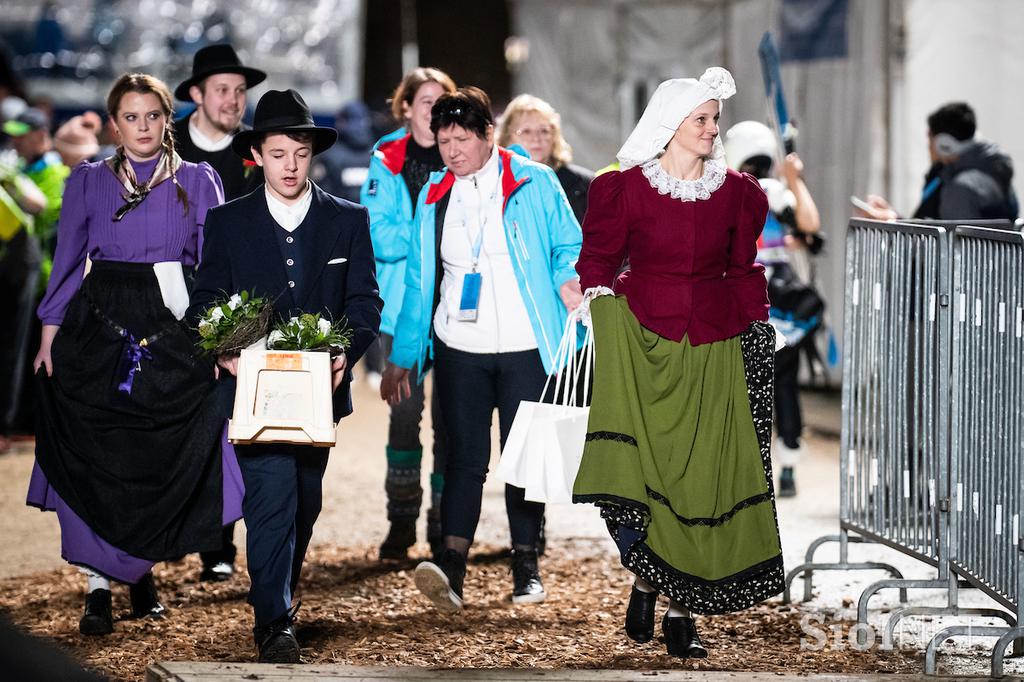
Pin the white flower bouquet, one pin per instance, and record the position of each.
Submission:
(311, 332)
(234, 323)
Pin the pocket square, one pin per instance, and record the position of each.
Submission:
(337, 261)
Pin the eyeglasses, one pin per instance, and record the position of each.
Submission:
(542, 133)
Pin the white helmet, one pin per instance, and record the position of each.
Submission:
(748, 139)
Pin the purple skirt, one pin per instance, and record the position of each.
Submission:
(82, 547)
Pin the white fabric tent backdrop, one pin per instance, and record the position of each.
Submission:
(861, 119)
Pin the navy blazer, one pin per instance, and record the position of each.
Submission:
(241, 252)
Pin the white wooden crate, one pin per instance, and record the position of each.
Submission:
(283, 397)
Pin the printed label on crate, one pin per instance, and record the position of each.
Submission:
(284, 361)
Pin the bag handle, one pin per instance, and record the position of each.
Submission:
(561, 357)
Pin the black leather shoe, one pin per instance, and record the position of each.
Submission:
(401, 536)
(98, 619)
(640, 615)
(681, 638)
(218, 572)
(441, 581)
(276, 641)
(145, 602)
(526, 585)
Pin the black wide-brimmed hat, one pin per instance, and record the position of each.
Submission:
(217, 59)
(282, 111)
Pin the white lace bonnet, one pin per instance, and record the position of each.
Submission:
(671, 104)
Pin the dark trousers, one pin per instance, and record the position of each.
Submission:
(471, 386)
(19, 276)
(788, 423)
(282, 501)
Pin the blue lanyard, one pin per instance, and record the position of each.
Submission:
(476, 245)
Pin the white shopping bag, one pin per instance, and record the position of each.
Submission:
(545, 444)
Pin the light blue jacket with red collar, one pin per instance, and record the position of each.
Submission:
(386, 197)
(544, 242)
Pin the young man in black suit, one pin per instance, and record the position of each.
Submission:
(308, 251)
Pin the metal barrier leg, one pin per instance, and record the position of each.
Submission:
(873, 588)
(889, 633)
(809, 566)
(1016, 636)
(931, 653)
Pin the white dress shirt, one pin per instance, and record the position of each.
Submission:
(203, 142)
(290, 216)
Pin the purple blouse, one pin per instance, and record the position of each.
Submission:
(157, 230)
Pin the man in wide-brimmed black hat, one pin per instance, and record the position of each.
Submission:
(218, 86)
(308, 252)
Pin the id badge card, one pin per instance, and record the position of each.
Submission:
(470, 303)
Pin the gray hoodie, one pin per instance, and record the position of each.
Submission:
(977, 184)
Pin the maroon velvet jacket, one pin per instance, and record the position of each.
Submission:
(692, 269)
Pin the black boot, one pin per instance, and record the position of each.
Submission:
(681, 638)
(97, 619)
(787, 483)
(441, 581)
(434, 534)
(640, 615)
(145, 602)
(526, 585)
(401, 536)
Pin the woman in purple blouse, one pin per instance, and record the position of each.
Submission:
(128, 449)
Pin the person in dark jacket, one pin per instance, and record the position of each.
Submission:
(218, 87)
(535, 125)
(342, 169)
(970, 177)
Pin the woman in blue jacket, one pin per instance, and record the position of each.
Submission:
(489, 281)
(400, 165)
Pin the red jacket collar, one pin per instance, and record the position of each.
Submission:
(509, 184)
(393, 153)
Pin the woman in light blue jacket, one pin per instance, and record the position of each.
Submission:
(489, 282)
(400, 165)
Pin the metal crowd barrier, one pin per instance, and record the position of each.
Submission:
(895, 469)
(987, 446)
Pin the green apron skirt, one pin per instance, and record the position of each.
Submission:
(677, 459)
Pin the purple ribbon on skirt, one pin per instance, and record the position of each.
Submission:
(134, 353)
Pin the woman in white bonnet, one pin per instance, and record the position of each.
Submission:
(677, 452)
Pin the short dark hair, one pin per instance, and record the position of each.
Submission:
(304, 138)
(956, 119)
(469, 108)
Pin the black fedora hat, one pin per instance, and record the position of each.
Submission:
(282, 111)
(217, 59)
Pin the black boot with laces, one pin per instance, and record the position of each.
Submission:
(526, 585)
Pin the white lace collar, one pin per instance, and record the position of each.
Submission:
(685, 190)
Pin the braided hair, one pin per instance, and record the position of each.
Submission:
(143, 83)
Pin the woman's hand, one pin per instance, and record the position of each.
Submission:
(43, 358)
(228, 363)
(394, 386)
(572, 294)
(880, 209)
(338, 366)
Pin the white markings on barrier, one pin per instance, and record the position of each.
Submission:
(963, 307)
(852, 455)
(1020, 321)
(931, 492)
(1002, 317)
(977, 312)
(874, 472)
(960, 497)
(1016, 529)
(906, 484)
(878, 295)
(976, 502)
(931, 308)
(999, 519)
(855, 296)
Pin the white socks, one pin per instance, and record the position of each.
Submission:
(677, 611)
(641, 585)
(97, 581)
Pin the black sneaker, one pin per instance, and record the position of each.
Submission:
(218, 572)
(526, 586)
(787, 483)
(97, 619)
(441, 581)
(401, 536)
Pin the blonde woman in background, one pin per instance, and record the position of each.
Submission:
(535, 125)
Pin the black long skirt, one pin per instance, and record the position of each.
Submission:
(129, 432)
